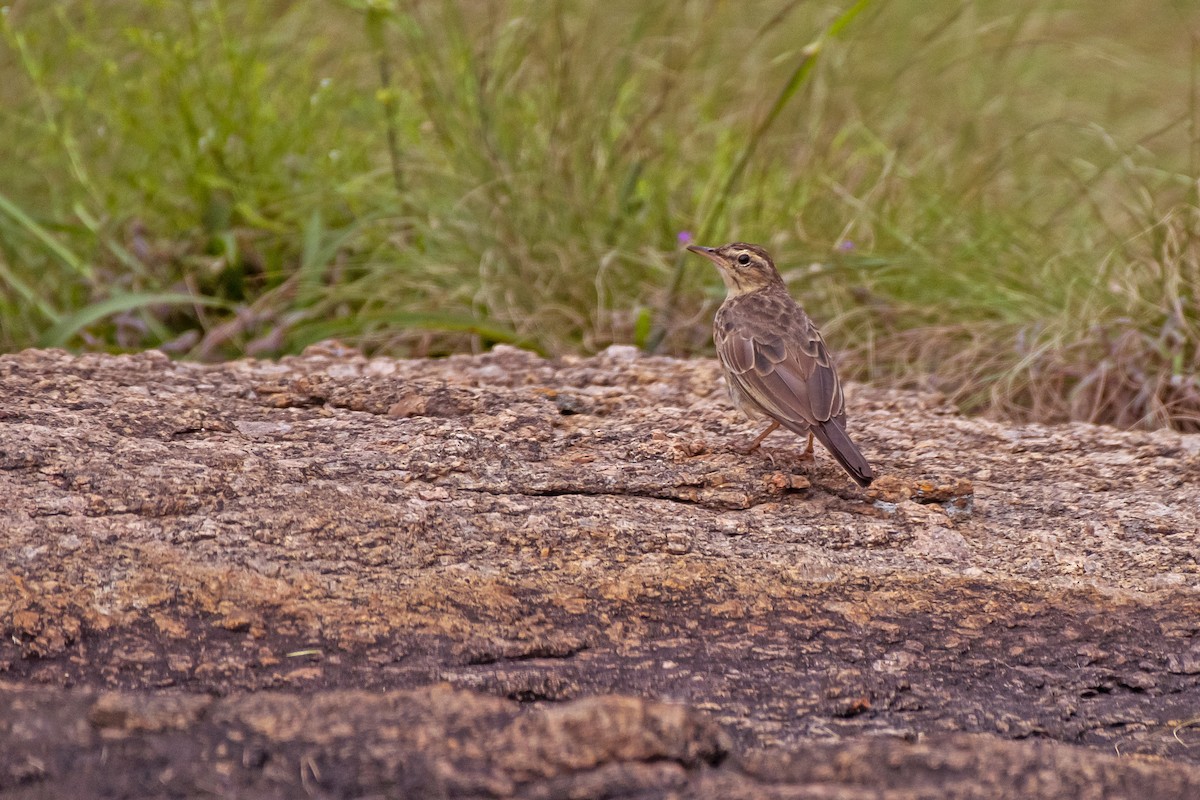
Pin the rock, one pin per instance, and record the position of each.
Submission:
(510, 577)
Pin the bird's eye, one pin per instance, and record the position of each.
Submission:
(743, 259)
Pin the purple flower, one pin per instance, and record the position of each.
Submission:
(845, 245)
(684, 237)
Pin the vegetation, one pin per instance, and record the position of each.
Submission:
(995, 199)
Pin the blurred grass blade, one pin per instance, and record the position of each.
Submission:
(320, 248)
(311, 260)
(27, 293)
(641, 326)
(61, 333)
(57, 248)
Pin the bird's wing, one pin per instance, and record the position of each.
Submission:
(790, 376)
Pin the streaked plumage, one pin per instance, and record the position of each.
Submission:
(776, 363)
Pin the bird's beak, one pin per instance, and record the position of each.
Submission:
(708, 252)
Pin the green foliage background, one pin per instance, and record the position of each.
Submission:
(996, 199)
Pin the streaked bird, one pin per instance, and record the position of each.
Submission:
(776, 363)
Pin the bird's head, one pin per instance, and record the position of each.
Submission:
(744, 267)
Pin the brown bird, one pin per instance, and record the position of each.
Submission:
(776, 363)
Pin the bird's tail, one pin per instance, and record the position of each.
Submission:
(844, 451)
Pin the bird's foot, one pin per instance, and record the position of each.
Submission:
(808, 454)
(758, 440)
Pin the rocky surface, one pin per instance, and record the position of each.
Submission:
(501, 576)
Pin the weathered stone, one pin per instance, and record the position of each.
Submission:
(504, 576)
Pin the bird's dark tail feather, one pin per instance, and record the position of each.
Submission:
(844, 451)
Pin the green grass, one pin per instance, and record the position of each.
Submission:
(995, 199)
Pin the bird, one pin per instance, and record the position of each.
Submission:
(776, 363)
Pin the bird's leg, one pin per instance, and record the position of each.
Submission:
(758, 440)
(807, 455)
